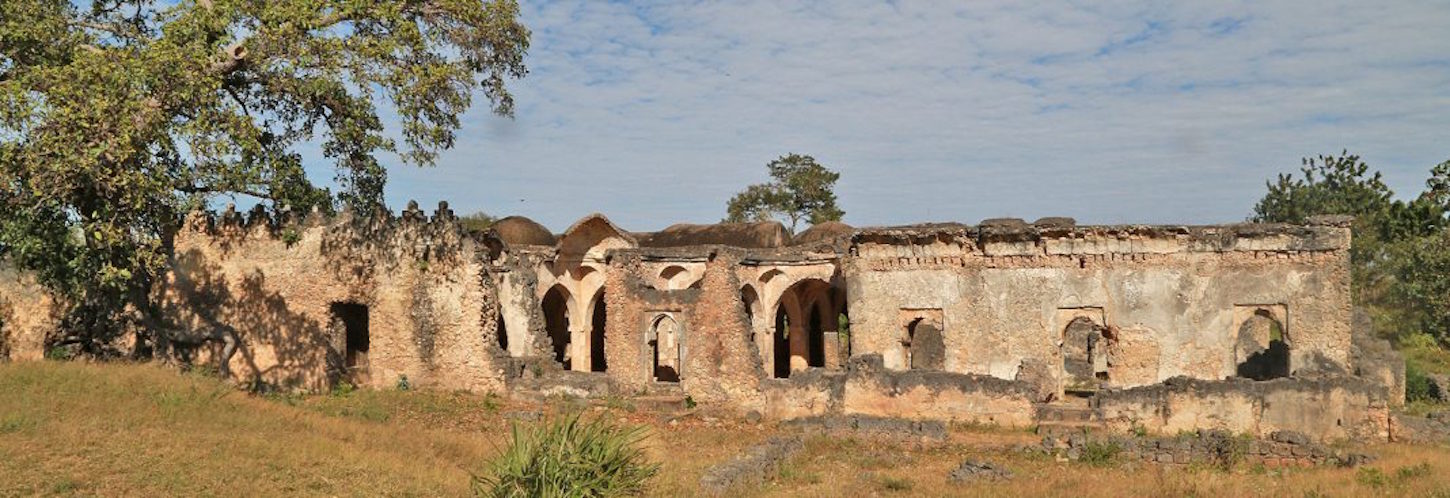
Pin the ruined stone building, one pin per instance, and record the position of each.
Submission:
(1242, 327)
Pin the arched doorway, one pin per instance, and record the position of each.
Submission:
(751, 301)
(597, 361)
(1084, 353)
(780, 351)
(556, 322)
(665, 344)
(1262, 348)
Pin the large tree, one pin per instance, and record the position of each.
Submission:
(800, 189)
(119, 115)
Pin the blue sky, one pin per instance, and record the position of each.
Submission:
(656, 113)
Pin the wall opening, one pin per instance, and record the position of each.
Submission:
(751, 300)
(1084, 354)
(1262, 347)
(351, 320)
(503, 331)
(781, 347)
(665, 345)
(925, 347)
(597, 361)
(556, 323)
(816, 348)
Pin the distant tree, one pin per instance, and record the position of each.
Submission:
(801, 189)
(476, 222)
(117, 116)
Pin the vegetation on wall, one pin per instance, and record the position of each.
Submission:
(800, 190)
(118, 116)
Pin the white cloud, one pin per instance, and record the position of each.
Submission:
(657, 113)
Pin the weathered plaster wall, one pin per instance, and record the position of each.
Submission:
(1170, 297)
(431, 310)
(1326, 409)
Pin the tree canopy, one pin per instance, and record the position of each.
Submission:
(117, 116)
(800, 189)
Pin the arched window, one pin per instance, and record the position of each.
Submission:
(665, 344)
(556, 322)
(1262, 347)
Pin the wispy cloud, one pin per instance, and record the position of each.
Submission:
(655, 113)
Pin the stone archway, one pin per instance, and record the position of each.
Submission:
(555, 307)
(665, 346)
(1261, 346)
(598, 318)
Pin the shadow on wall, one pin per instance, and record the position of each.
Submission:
(279, 348)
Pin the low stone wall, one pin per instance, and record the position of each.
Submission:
(868, 388)
(1324, 409)
(871, 389)
(1207, 447)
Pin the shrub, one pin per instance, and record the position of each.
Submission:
(1417, 385)
(1100, 454)
(569, 457)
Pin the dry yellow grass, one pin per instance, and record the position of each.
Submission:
(132, 430)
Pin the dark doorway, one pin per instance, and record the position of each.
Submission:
(597, 362)
(1262, 349)
(556, 323)
(503, 332)
(782, 343)
(816, 347)
(353, 319)
(748, 297)
(925, 346)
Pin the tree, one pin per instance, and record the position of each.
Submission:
(476, 222)
(118, 116)
(801, 189)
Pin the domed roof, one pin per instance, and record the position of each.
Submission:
(827, 232)
(767, 234)
(521, 231)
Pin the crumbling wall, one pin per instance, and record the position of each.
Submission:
(275, 283)
(720, 363)
(1170, 297)
(27, 313)
(873, 390)
(1325, 408)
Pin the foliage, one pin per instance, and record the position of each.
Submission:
(569, 457)
(1417, 385)
(1400, 254)
(476, 222)
(1100, 453)
(800, 189)
(118, 116)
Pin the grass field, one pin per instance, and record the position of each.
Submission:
(133, 430)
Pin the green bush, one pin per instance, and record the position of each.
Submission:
(1100, 454)
(1417, 385)
(569, 457)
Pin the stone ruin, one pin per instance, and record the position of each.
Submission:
(1245, 328)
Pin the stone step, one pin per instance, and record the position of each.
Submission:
(660, 402)
(1064, 413)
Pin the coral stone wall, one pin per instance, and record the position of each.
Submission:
(430, 309)
(1171, 298)
(719, 362)
(27, 313)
